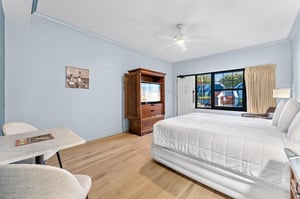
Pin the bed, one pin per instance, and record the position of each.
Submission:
(240, 157)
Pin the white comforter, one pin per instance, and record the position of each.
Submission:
(249, 146)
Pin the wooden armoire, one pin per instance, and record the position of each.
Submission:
(144, 99)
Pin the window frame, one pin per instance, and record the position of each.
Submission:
(212, 94)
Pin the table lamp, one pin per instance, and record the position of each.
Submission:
(282, 93)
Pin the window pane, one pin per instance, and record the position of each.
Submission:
(227, 83)
(219, 77)
(228, 78)
(204, 90)
(238, 79)
(239, 95)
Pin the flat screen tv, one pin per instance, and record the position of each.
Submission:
(150, 92)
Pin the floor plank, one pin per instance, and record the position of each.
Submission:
(121, 167)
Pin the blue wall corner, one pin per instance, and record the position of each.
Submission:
(2, 63)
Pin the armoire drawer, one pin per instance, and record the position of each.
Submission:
(150, 110)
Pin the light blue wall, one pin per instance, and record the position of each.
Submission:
(37, 52)
(272, 53)
(2, 63)
(294, 38)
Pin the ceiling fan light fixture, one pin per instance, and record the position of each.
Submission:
(180, 41)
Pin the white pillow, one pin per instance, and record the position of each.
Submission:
(288, 113)
(294, 129)
(278, 112)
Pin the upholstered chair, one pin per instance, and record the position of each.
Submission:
(30, 181)
(22, 127)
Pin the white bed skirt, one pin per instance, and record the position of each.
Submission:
(222, 180)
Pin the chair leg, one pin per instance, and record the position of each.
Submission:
(59, 160)
(39, 159)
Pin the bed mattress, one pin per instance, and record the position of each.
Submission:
(249, 146)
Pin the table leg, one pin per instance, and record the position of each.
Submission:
(59, 160)
(39, 159)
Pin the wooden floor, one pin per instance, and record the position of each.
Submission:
(121, 167)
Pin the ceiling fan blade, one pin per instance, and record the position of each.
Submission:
(168, 46)
(200, 39)
(166, 37)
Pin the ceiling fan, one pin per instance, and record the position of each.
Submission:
(179, 39)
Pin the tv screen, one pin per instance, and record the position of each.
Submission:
(150, 92)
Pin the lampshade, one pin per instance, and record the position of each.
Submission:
(281, 93)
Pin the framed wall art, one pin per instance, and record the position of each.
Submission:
(77, 77)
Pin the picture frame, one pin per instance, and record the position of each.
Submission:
(77, 77)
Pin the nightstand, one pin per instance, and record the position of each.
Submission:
(294, 160)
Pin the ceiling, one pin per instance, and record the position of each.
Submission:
(143, 25)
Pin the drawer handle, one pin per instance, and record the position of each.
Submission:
(152, 110)
(152, 104)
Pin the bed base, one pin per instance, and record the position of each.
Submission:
(229, 183)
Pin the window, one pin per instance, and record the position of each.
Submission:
(221, 90)
(203, 91)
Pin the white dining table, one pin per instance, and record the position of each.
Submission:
(63, 138)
